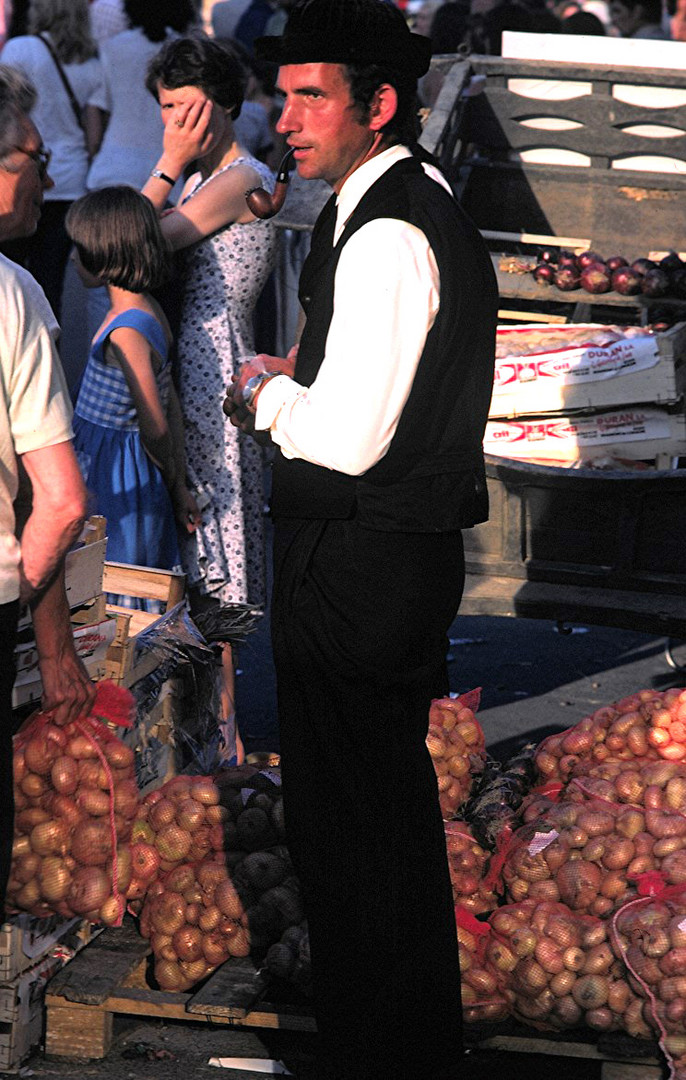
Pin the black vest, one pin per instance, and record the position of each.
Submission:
(432, 477)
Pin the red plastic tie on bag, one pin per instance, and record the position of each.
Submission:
(471, 699)
(552, 790)
(493, 880)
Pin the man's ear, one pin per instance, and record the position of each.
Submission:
(383, 107)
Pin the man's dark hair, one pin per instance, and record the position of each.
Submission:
(365, 80)
(213, 66)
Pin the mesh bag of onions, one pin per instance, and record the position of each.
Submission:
(481, 985)
(585, 854)
(468, 865)
(457, 746)
(192, 818)
(75, 801)
(560, 971)
(648, 935)
(195, 920)
(199, 914)
(650, 817)
(649, 725)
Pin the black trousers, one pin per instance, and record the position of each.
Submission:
(359, 622)
(9, 614)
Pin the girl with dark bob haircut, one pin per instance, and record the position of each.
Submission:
(127, 422)
(118, 238)
(195, 61)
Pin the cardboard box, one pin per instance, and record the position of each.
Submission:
(639, 433)
(636, 370)
(92, 643)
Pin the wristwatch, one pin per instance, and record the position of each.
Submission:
(163, 176)
(253, 387)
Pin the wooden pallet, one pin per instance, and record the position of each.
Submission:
(109, 979)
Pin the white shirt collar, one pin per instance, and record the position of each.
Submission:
(360, 181)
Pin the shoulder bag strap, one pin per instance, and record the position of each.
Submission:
(65, 81)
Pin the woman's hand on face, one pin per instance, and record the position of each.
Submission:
(187, 132)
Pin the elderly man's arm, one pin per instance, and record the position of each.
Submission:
(55, 520)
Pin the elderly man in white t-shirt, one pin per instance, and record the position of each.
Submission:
(42, 497)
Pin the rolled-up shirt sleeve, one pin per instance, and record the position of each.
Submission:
(386, 297)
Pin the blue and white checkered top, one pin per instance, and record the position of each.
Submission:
(104, 397)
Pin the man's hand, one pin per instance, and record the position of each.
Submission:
(67, 687)
(68, 691)
(186, 510)
(234, 406)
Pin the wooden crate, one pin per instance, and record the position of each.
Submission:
(25, 939)
(506, 133)
(492, 129)
(22, 1012)
(109, 979)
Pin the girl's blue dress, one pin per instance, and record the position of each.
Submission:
(124, 482)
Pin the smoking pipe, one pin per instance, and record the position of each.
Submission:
(260, 202)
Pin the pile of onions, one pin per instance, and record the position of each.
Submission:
(75, 801)
(457, 746)
(560, 971)
(649, 725)
(195, 920)
(468, 864)
(649, 937)
(481, 985)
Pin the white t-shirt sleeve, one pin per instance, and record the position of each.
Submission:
(386, 297)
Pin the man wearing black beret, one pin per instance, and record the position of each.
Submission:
(379, 424)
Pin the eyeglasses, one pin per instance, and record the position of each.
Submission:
(41, 156)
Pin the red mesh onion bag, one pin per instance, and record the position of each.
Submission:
(75, 801)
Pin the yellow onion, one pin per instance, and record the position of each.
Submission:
(50, 838)
(187, 942)
(173, 843)
(239, 944)
(91, 842)
(170, 976)
(162, 813)
(168, 913)
(64, 775)
(55, 879)
(89, 888)
(590, 991)
(549, 956)
(215, 948)
(204, 791)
